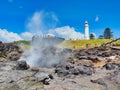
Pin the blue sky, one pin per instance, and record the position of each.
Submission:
(14, 14)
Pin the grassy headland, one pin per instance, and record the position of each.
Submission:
(77, 44)
(23, 43)
(73, 44)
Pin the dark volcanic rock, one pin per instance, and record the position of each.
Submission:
(47, 79)
(68, 67)
(92, 51)
(74, 70)
(61, 72)
(110, 66)
(93, 58)
(86, 70)
(99, 81)
(82, 57)
(106, 54)
(114, 73)
(22, 65)
(43, 77)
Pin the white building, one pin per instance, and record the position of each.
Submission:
(86, 31)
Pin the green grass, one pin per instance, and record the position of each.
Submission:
(72, 44)
(76, 44)
(23, 43)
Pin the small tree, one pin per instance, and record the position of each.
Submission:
(107, 33)
(92, 36)
(101, 37)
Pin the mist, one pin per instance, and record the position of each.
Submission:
(44, 52)
(40, 22)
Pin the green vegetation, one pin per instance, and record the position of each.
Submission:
(92, 36)
(72, 44)
(101, 37)
(23, 43)
(108, 34)
(118, 42)
(77, 44)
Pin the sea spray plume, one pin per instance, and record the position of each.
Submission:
(41, 22)
(44, 53)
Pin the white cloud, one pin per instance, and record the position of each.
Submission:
(67, 32)
(96, 19)
(41, 23)
(26, 35)
(6, 36)
(45, 23)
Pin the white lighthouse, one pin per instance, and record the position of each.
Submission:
(86, 31)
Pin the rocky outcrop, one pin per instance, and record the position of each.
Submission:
(86, 69)
(74, 70)
(22, 78)
(9, 52)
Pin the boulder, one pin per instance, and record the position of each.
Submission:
(110, 66)
(86, 70)
(22, 65)
(43, 77)
(99, 81)
(75, 71)
(61, 72)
